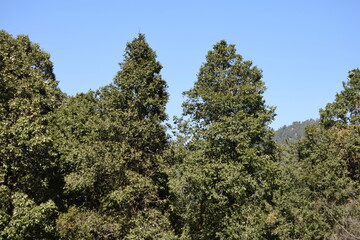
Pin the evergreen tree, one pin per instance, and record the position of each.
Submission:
(28, 167)
(75, 133)
(314, 186)
(117, 166)
(225, 179)
(345, 110)
(137, 125)
(321, 174)
(343, 115)
(91, 170)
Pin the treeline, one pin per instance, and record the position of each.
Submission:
(100, 165)
(291, 133)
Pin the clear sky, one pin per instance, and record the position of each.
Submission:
(305, 48)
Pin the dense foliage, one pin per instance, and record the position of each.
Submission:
(114, 182)
(28, 169)
(100, 165)
(227, 170)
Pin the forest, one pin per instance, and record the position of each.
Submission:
(293, 132)
(106, 164)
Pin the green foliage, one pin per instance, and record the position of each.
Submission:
(293, 132)
(225, 180)
(75, 138)
(151, 224)
(29, 172)
(99, 165)
(28, 92)
(5, 206)
(114, 166)
(136, 126)
(320, 177)
(345, 110)
(315, 184)
(344, 114)
(347, 225)
(85, 224)
(30, 221)
(141, 83)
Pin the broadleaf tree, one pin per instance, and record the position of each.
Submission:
(28, 165)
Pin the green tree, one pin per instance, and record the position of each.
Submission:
(343, 115)
(320, 176)
(28, 167)
(345, 110)
(30, 220)
(315, 185)
(75, 132)
(117, 164)
(224, 181)
(138, 126)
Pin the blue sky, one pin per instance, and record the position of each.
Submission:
(305, 48)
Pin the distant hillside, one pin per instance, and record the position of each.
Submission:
(293, 132)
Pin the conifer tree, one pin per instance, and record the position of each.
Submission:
(116, 179)
(225, 180)
(144, 97)
(321, 173)
(345, 109)
(315, 184)
(137, 124)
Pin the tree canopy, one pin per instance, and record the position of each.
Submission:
(101, 165)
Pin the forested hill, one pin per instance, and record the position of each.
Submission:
(293, 132)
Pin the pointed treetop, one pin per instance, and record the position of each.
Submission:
(226, 85)
(140, 80)
(345, 110)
